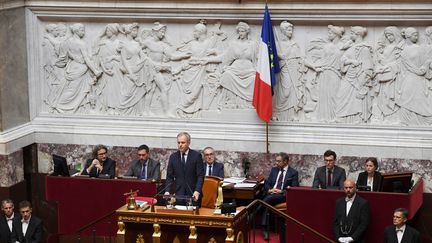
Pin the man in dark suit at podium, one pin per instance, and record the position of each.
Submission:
(29, 228)
(330, 175)
(351, 215)
(185, 169)
(399, 232)
(211, 166)
(144, 168)
(280, 179)
(7, 220)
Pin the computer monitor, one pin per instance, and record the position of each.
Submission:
(396, 182)
(60, 166)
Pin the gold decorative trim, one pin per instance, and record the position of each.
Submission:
(240, 237)
(121, 228)
(193, 233)
(139, 239)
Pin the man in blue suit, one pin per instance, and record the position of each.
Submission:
(280, 179)
(185, 169)
(211, 166)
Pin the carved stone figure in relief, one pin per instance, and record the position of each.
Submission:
(387, 75)
(80, 73)
(238, 78)
(289, 92)
(353, 99)
(138, 72)
(161, 53)
(108, 58)
(194, 70)
(52, 74)
(414, 93)
(323, 76)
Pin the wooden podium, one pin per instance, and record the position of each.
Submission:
(179, 226)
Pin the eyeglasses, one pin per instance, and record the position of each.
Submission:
(208, 154)
(103, 153)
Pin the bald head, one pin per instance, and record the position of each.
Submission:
(350, 188)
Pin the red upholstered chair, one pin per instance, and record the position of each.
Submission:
(210, 191)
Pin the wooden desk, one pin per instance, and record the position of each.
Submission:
(250, 194)
(156, 227)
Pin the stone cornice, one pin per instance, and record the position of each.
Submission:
(414, 143)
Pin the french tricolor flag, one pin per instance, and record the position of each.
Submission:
(268, 66)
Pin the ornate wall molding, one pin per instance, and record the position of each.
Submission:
(221, 129)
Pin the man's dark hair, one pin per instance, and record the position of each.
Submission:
(330, 153)
(97, 148)
(284, 156)
(144, 147)
(404, 212)
(24, 204)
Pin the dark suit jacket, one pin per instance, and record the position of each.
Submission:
(188, 178)
(338, 178)
(362, 180)
(109, 167)
(410, 235)
(5, 232)
(291, 179)
(153, 169)
(217, 169)
(33, 234)
(356, 222)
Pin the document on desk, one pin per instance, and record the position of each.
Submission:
(245, 185)
(234, 180)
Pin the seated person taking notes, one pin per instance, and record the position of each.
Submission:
(330, 175)
(100, 164)
(370, 177)
(144, 168)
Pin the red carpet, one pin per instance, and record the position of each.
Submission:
(274, 237)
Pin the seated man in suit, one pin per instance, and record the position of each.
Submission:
(100, 164)
(280, 179)
(329, 175)
(400, 232)
(211, 166)
(351, 215)
(144, 168)
(29, 228)
(7, 220)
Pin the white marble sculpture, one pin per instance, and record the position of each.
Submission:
(238, 78)
(414, 93)
(107, 52)
(133, 70)
(138, 72)
(80, 73)
(387, 75)
(353, 98)
(324, 77)
(289, 96)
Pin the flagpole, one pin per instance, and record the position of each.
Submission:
(267, 139)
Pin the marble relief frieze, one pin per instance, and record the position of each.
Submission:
(333, 74)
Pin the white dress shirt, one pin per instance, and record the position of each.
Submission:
(399, 233)
(349, 202)
(9, 221)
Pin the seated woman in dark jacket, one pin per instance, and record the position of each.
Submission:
(371, 177)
